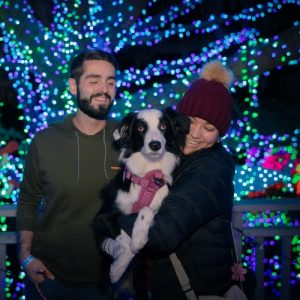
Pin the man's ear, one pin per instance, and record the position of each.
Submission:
(72, 86)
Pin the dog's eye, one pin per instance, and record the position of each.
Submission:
(140, 128)
(163, 125)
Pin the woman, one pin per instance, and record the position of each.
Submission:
(194, 221)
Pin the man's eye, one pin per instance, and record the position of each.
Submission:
(163, 125)
(140, 128)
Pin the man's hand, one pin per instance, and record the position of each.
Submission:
(34, 268)
(37, 271)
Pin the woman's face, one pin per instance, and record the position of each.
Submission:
(201, 135)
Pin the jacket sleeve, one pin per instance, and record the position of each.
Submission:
(203, 192)
(30, 191)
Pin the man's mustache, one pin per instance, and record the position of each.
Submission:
(100, 95)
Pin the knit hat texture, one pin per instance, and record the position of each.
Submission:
(209, 98)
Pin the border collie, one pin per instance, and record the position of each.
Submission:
(150, 144)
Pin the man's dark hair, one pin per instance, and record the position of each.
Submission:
(76, 69)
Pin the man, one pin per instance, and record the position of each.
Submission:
(66, 166)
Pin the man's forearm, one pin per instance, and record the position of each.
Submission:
(25, 241)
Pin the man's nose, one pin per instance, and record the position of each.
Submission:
(102, 86)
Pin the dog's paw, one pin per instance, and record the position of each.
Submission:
(123, 238)
(113, 247)
(114, 274)
(138, 241)
(120, 265)
(140, 229)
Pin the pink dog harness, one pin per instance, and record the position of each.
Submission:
(150, 184)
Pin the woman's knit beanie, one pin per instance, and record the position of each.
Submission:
(209, 98)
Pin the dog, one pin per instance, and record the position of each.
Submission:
(150, 144)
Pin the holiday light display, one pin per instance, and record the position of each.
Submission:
(36, 59)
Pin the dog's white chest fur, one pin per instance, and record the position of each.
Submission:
(140, 166)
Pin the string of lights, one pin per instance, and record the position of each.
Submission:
(36, 59)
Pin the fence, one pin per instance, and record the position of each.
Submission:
(260, 233)
(5, 239)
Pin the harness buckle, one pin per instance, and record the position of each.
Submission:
(159, 181)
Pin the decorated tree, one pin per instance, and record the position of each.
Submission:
(161, 47)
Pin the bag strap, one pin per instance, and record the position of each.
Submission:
(235, 255)
(183, 278)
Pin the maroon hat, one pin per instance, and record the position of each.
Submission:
(208, 98)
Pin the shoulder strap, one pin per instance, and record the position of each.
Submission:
(183, 278)
(235, 255)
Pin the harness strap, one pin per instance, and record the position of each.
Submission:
(150, 184)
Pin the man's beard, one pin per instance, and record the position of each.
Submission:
(99, 113)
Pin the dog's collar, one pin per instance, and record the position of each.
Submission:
(150, 184)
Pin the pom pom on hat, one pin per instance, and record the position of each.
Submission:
(209, 98)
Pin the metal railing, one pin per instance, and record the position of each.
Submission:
(260, 233)
(6, 238)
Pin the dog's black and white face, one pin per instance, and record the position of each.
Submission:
(151, 132)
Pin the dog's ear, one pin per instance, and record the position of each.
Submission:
(123, 131)
(180, 124)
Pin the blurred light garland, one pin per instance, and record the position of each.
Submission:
(36, 59)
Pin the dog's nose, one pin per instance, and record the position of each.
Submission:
(155, 145)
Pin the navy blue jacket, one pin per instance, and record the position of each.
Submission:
(194, 221)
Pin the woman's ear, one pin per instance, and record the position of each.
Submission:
(72, 86)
